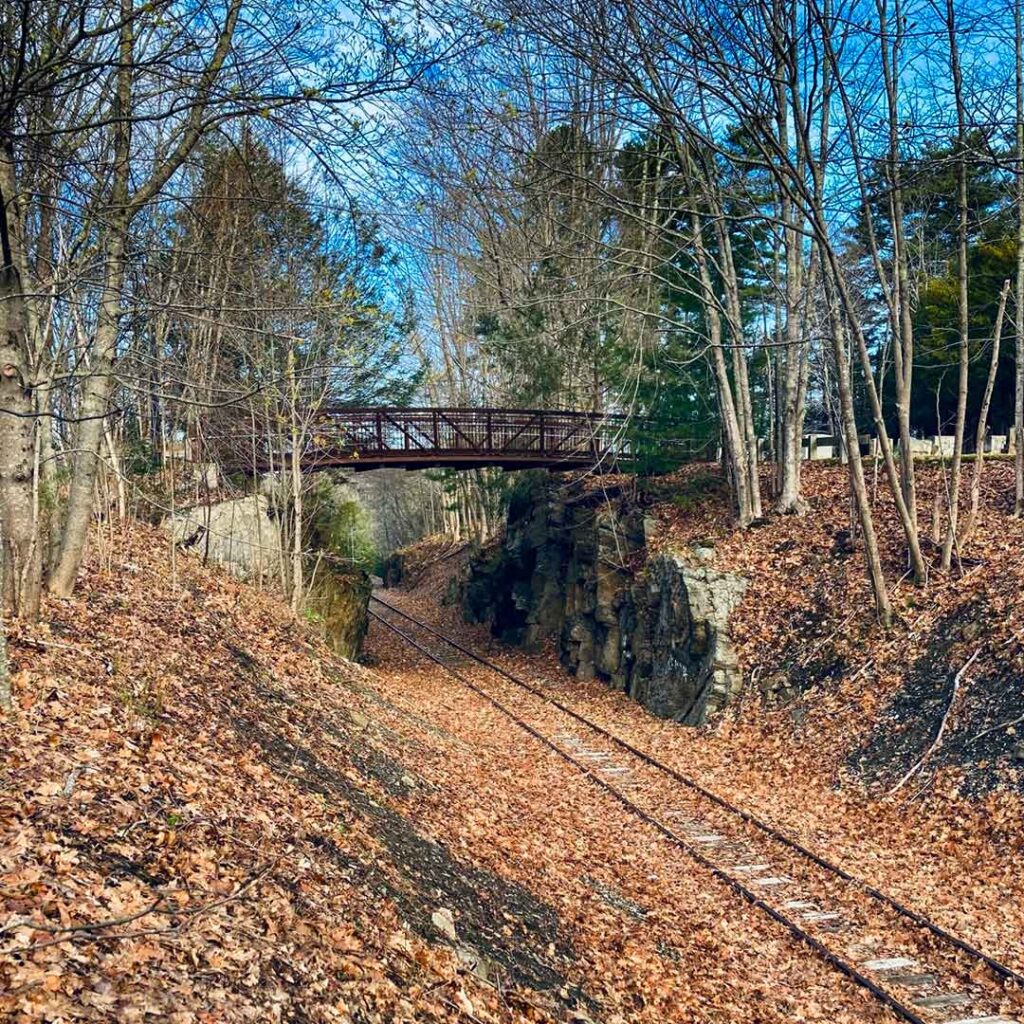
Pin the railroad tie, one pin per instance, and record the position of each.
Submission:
(942, 1001)
(892, 963)
(984, 1020)
(914, 980)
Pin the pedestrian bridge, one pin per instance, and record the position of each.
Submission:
(459, 438)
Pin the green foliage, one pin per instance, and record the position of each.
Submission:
(675, 408)
(936, 327)
(311, 292)
(340, 526)
(138, 457)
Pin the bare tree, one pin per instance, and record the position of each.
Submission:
(121, 205)
(982, 429)
(1018, 313)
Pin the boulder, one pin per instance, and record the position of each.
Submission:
(240, 535)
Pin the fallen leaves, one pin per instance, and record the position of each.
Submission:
(153, 862)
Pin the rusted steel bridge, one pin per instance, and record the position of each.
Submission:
(419, 438)
(459, 438)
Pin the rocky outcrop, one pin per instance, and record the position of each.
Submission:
(517, 585)
(244, 537)
(575, 566)
(240, 535)
(393, 571)
(340, 601)
(685, 664)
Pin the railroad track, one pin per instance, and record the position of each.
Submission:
(924, 974)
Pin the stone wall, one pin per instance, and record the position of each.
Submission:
(242, 535)
(339, 600)
(574, 566)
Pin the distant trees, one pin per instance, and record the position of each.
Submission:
(754, 209)
(127, 266)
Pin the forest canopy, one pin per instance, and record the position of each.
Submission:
(734, 223)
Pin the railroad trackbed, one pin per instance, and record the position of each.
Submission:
(909, 963)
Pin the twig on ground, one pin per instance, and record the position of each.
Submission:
(997, 728)
(111, 922)
(90, 931)
(942, 726)
(861, 670)
(22, 640)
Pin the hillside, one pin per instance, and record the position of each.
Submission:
(202, 821)
(821, 669)
(206, 816)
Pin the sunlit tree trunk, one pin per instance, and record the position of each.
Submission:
(295, 473)
(1018, 315)
(19, 535)
(986, 401)
(855, 465)
(899, 297)
(735, 438)
(962, 308)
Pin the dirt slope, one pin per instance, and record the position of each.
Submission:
(200, 820)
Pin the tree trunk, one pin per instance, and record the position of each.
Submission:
(1018, 317)
(98, 385)
(900, 303)
(842, 290)
(740, 369)
(19, 546)
(735, 441)
(986, 401)
(855, 467)
(94, 409)
(964, 314)
(20, 549)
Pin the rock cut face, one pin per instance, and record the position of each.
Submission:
(687, 661)
(576, 567)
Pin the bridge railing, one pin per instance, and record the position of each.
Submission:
(365, 437)
(487, 432)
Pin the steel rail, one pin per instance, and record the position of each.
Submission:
(844, 967)
(1001, 969)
